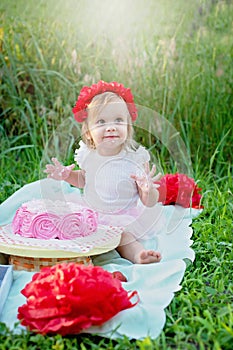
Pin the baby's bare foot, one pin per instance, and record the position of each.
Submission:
(148, 257)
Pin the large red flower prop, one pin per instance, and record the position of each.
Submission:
(179, 189)
(88, 92)
(69, 298)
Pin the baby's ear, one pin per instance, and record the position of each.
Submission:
(87, 138)
(88, 135)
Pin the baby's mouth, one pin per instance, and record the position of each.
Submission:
(111, 137)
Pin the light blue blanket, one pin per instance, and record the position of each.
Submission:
(156, 283)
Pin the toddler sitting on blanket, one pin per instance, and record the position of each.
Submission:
(114, 171)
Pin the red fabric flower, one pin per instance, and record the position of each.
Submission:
(119, 276)
(179, 189)
(68, 298)
(88, 92)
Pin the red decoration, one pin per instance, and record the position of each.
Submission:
(179, 189)
(69, 298)
(88, 92)
(119, 276)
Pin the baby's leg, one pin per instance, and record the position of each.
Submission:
(130, 249)
(148, 256)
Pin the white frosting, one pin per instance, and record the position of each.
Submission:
(57, 207)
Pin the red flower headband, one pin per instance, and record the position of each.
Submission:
(88, 92)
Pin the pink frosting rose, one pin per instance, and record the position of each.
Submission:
(48, 225)
(22, 222)
(45, 226)
(79, 224)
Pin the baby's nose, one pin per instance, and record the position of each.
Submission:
(110, 127)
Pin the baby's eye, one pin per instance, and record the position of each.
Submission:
(100, 122)
(119, 120)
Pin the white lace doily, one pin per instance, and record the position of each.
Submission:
(104, 239)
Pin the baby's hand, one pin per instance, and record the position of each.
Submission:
(147, 181)
(58, 171)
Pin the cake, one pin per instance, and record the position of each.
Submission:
(47, 219)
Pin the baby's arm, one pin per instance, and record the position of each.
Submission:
(76, 178)
(147, 188)
(58, 171)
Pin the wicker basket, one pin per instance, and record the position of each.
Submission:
(35, 264)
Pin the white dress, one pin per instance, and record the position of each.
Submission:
(111, 191)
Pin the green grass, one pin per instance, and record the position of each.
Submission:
(177, 59)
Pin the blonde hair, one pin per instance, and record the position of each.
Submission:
(94, 108)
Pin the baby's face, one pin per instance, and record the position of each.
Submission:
(109, 130)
